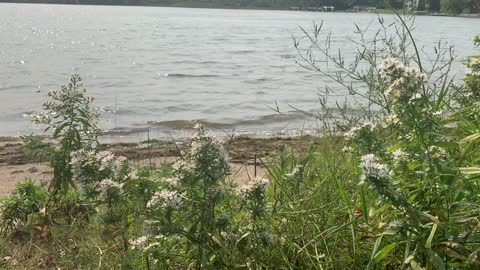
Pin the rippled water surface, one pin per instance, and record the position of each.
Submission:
(162, 67)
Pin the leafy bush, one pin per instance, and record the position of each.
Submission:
(35, 149)
(73, 123)
(27, 199)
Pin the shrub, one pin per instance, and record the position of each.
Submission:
(27, 200)
(73, 123)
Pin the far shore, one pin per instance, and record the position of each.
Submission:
(203, 6)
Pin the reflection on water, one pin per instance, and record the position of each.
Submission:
(160, 68)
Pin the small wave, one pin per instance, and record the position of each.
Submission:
(242, 52)
(180, 75)
(18, 87)
(123, 131)
(271, 118)
(265, 119)
(188, 124)
(259, 80)
(195, 62)
(287, 56)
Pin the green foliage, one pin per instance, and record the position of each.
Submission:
(74, 125)
(27, 199)
(188, 206)
(35, 149)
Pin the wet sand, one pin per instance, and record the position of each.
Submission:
(15, 165)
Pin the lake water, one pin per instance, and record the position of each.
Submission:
(163, 67)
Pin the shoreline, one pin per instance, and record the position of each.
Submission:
(246, 156)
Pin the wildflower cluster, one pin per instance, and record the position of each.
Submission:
(363, 139)
(169, 199)
(391, 120)
(41, 118)
(473, 66)
(399, 155)
(472, 78)
(356, 132)
(404, 82)
(254, 194)
(371, 167)
(187, 203)
(99, 171)
(107, 184)
(206, 155)
(138, 243)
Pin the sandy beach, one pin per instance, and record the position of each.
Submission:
(15, 165)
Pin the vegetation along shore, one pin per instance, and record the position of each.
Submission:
(394, 186)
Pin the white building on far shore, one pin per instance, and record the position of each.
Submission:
(411, 4)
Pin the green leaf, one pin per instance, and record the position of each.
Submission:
(382, 254)
(470, 170)
(428, 244)
(470, 138)
(435, 259)
(364, 203)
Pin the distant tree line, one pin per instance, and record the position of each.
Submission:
(446, 6)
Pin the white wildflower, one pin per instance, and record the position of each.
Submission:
(40, 117)
(138, 243)
(422, 77)
(372, 168)
(391, 119)
(352, 133)
(295, 170)
(256, 183)
(196, 146)
(349, 135)
(415, 97)
(105, 158)
(391, 65)
(411, 71)
(80, 160)
(474, 61)
(184, 164)
(399, 155)
(168, 198)
(394, 89)
(119, 162)
(172, 181)
(106, 184)
(438, 113)
(436, 151)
